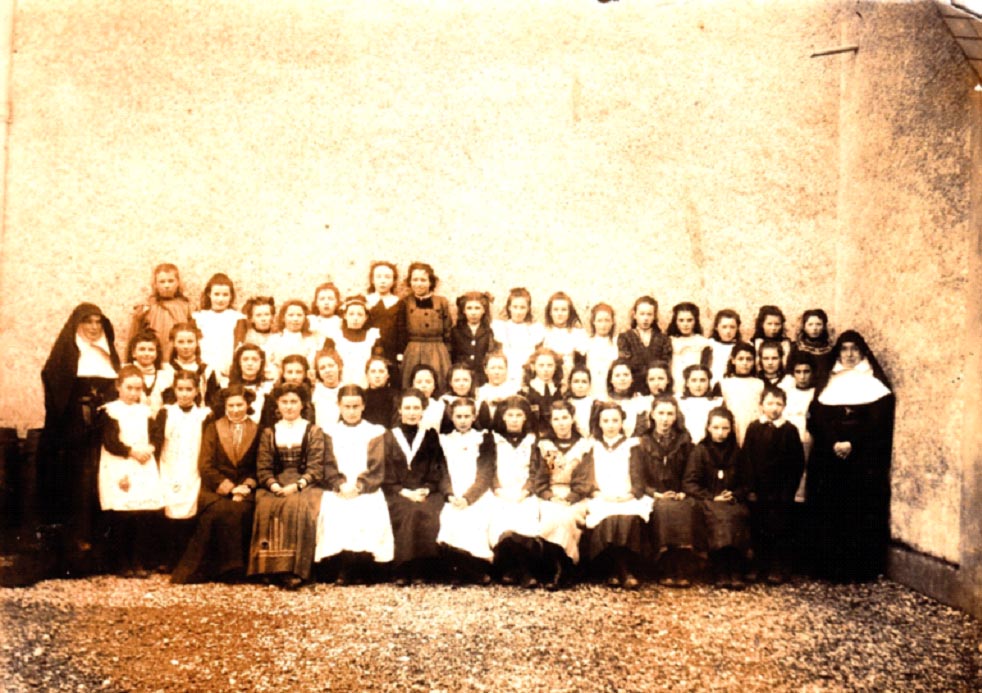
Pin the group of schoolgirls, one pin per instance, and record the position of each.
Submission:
(548, 442)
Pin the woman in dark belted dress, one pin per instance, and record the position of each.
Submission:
(428, 325)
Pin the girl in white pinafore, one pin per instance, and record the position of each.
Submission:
(354, 517)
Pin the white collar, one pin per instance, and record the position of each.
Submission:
(778, 422)
(407, 450)
(853, 386)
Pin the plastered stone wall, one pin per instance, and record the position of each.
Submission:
(690, 150)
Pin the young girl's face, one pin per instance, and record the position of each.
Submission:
(351, 407)
(719, 428)
(249, 363)
(743, 363)
(461, 382)
(559, 312)
(424, 382)
(473, 312)
(813, 327)
(262, 317)
(496, 370)
(326, 304)
(644, 316)
(802, 376)
(185, 345)
(663, 416)
(514, 420)
(290, 406)
(544, 367)
(185, 391)
(579, 384)
(383, 279)
(657, 380)
(293, 374)
(377, 373)
(355, 316)
(685, 322)
(772, 326)
(726, 328)
(130, 389)
(698, 383)
(419, 282)
(236, 408)
(144, 353)
(562, 423)
(293, 319)
(221, 297)
(165, 284)
(610, 423)
(328, 372)
(411, 410)
(463, 418)
(620, 379)
(603, 323)
(518, 308)
(770, 361)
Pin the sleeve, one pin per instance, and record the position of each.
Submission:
(110, 437)
(211, 478)
(741, 477)
(158, 427)
(332, 478)
(666, 349)
(643, 453)
(636, 470)
(239, 332)
(543, 477)
(319, 448)
(624, 350)
(370, 480)
(435, 478)
(692, 480)
(534, 460)
(795, 462)
(392, 482)
(264, 459)
(447, 318)
(400, 331)
(581, 483)
(486, 458)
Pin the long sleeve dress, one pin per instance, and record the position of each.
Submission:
(562, 512)
(360, 524)
(675, 524)
(741, 395)
(611, 477)
(774, 461)
(124, 483)
(688, 351)
(180, 433)
(711, 469)
(220, 542)
(470, 347)
(284, 531)
(471, 468)
(159, 315)
(428, 323)
(796, 412)
(695, 411)
(518, 340)
(413, 460)
(631, 346)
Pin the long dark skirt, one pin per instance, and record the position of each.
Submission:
(617, 531)
(727, 525)
(772, 529)
(220, 543)
(676, 524)
(284, 533)
(415, 526)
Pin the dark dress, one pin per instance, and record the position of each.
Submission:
(391, 324)
(541, 406)
(775, 460)
(849, 500)
(220, 543)
(630, 347)
(471, 348)
(414, 464)
(712, 469)
(69, 446)
(381, 405)
(674, 523)
(428, 324)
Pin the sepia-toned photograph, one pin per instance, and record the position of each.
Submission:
(559, 346)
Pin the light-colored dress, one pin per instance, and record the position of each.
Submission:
(513, 464)
(326, 408)
(283, 344)
(720, 357)
(466, 528)
(179, 475)
(600, 353)
(567, 343)
(561, 523)
(355, 356)
(518, 340)
(583, 407)
(686, 351)
(218, 339)
(124, 483)
(612, 472)
(741, 395)
(695, 411)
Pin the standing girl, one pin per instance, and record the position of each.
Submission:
(219, 547)
(290, 465)
(714, 476)
(464, 520)
(517, 333)
(581, 399)
(814, 339)
(769, 326)
(248, 368)
(644, 342)
(414, 474)
(696, 402)
(354, 519)
(665, 451)
(221, 326)
(293, 335)
(186, 356)
(129, 482)
(356, 341)
(611, 477)
(726, 335)
(259, 312)
(771, 357)
(428, 323)
(741, 390)
(386, 310)
(164, 309)
(495, 389)
(543, 386)
(564, 333)
(689, 347)
(600, 349)
(328, 367)
(177, 435)
(324, 320)
(144, 352)
(799, 386)
(471, 339)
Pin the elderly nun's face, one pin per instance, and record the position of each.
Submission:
(850, 354)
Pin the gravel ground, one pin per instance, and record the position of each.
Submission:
(112, 634)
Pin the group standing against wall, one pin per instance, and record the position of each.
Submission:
(388, 434)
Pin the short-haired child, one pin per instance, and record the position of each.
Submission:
(799, 386)
(166, 306)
